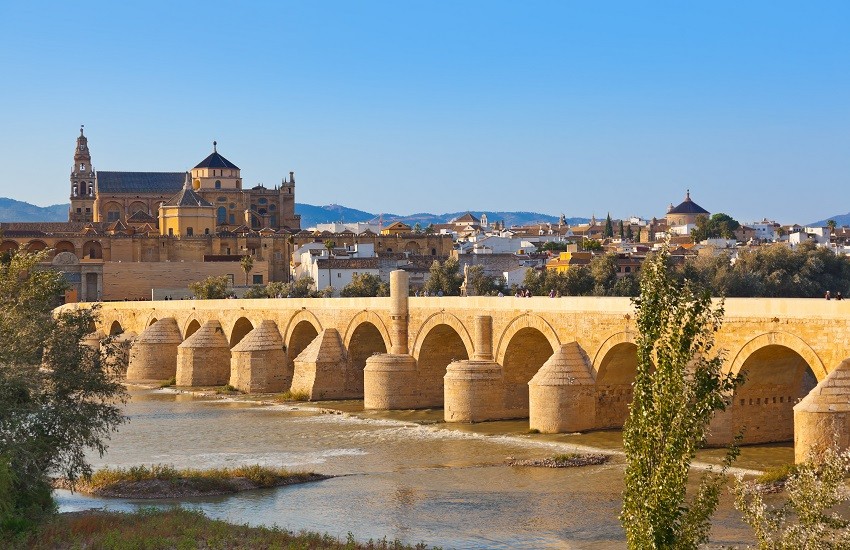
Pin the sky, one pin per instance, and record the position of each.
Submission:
(557, 107)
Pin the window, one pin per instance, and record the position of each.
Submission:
(74, 189)
(170, 231)
(232, 205)
(338, 275)
(88, 209)
(82, 167)
(263, 201)
(258, 279)
(222, 199)
(221, 215)
(207, 231)
(189, 231)
(91, 189)
(79, 210)
(273, 221)
(228, 251)
(218, 184)
(113, 215)
(272, 207)
(232, 219)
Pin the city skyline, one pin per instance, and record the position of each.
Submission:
(555, 107)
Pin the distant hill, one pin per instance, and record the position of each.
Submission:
(840, 220)
(18, 211)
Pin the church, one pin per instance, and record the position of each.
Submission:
(135, 197)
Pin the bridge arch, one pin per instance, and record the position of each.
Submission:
(36, 245)
(614, 368)
(442, 318)
(524, 352)
(191, 328)
(115, 328)
(441, 339)
(8, 246)
(517, 324)
(240, 329)
(780, 370)
(301, 329)
(371, 317)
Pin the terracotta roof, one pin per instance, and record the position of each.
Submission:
(468, 217)
(187, 197)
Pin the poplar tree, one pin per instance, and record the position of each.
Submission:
(609, 227)
(678, 387)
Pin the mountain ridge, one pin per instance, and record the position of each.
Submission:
(12, 210)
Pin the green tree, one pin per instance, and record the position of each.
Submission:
(591, 244)
(417, 228)
(365, 285)
(808, 519)
(831, 225)
(58, 397)
(609, 227)
(482, 284)
(247, 265)
(717, 226)
(678, 387)
(630, 235)
(211, 288)
(445, 277)
(622, 230)
(603, 269)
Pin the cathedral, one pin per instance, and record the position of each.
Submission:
(135, 197)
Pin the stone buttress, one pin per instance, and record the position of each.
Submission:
(320, 370)
(389, 379)
(822, 418)
(153, 355)
(562, 395)
(473, 387)
(203, 359)
(258, 363)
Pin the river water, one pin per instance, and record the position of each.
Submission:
(402, 475)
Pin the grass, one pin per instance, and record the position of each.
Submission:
(154, 529)
(227, 388)
(168, 383)
(565, 457)
(777, 474)
(532, 431)
(259, 475)
(290, 395)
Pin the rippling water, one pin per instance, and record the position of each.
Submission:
(399, 476)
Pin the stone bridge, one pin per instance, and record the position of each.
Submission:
(567, 364)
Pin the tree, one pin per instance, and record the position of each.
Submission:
(678, 387)
(718, 226)
(417, 228)
(808, 519)
(365, 285)
(482, 284)
(211, 288)
(445, 277)
(609, 227)
(591, 244)
(58, 397)
(247, 264)
(329, 245)
(629, 233)
(622, 230)
(603, 269)
(831, 225)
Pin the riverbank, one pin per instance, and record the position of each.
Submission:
(178, 528)
(161, 481)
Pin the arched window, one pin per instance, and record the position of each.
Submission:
(74, 190)
(263, 201)
(273, 221)
(221, 215)
(189, 232)
(82, 167)
(91, 190)
(218, 184)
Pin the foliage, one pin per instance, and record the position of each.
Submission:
(445, 277)
(481, 284)
(679, 385)
(365, 285)
(777, 474)
(58, 397)
(300, 288)
(553, 246)
(717, 226)
(211, 288)
(260, 475)
(599, 278)
(591, 245)
(609, 227)
(176, 527)
(808, 518)
(247, 264)
(326, 292)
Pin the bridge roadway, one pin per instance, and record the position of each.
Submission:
(567, 364)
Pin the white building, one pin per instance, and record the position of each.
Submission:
(336, 268)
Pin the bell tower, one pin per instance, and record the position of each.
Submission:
(82, 183)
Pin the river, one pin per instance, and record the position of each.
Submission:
(399, 475)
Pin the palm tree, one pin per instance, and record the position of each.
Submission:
(247, 263)
(329, 244)
(831, 225)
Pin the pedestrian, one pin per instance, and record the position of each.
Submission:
(440, 293)
(552, 293)
(828, 297)
(838, 296)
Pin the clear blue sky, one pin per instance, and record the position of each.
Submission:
(404, 106)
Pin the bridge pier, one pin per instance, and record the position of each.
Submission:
(154, 353)
(120, 353)
(258, 363)
(822, 418)
(203, 359)
(321, 370)
(473, 388)
(390, 379)
(562, 395)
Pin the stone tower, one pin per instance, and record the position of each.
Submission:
(288, 217)
(82, 183)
